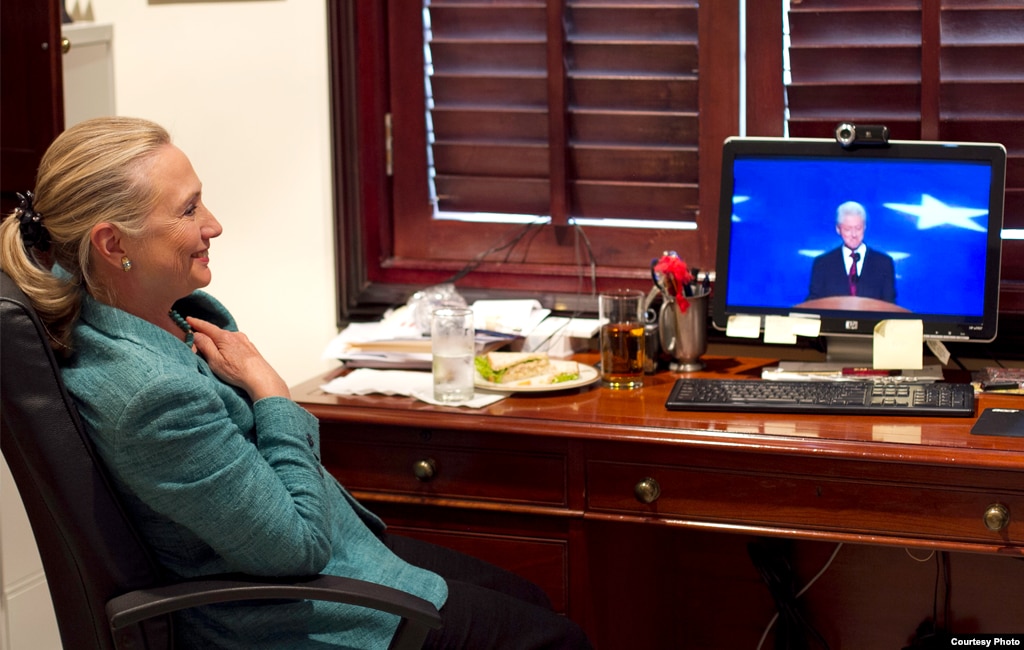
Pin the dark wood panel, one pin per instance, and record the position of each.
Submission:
(886, 102)
(633, 94)
(971, 63)
(515, 91)
(628, 164)
(817, 65)
(982, 100)
(493, 57)
(457, 21)
(676, 22)
(646, 59)
(520, 196)
(516, 159)
(31, 83)
(595, 126)
(885, 27)
(478, 123)
(677, 202)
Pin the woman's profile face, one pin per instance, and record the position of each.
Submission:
(172, 259)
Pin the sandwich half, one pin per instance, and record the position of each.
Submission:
(525, 369)
(508, 367)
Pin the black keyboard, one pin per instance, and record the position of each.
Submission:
(826, 397)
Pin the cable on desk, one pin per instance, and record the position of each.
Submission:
(777, 574)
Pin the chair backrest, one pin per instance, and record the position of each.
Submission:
(89, 549)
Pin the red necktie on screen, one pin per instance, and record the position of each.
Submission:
(853, 273)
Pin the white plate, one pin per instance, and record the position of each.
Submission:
(588, 375)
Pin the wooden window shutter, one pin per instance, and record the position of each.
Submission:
(949, 70)
(573, 109)
(584, 111)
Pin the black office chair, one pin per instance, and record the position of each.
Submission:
(108, 592)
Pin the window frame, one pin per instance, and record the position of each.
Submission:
(371, 277)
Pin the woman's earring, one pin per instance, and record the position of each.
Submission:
(126, 264)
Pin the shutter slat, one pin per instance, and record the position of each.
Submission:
(632, 94)
(483, 159)
(861, 101)
(640, 58)
(488, 57)
(513, 92)
(674, 202)
(483, 124)
(600, 127)
(477, 194)
(652, 165)
(981, 101)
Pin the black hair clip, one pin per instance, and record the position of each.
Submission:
(33, 232)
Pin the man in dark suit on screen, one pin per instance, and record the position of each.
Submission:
(853, 269)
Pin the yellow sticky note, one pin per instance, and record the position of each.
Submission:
(898, 345)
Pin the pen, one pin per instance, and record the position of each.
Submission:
(1000, 385)
(868, 372)
(496, 334)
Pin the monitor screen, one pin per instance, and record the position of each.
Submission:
(853, 236)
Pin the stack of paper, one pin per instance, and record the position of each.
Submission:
(395, 341)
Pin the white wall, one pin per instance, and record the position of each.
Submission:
(243, 88)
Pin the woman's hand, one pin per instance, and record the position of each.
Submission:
(234, 359)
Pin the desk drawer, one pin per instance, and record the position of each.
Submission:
(445, 465)
(779, 501)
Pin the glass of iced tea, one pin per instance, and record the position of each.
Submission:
(622, 338)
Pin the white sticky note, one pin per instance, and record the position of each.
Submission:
(743, 326)
(779, 329)
(939, 350)
(898, 345)
(805, 326)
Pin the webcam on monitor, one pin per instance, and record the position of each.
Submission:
(850, 135)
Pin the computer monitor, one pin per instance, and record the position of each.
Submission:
(934, 213)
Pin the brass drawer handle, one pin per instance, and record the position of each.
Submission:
(996, 517)
(647, 490)
(425, 470)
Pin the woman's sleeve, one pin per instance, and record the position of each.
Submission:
(264, 508)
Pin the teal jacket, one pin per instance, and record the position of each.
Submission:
(218, 484)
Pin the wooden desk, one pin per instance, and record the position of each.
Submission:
(555, 486)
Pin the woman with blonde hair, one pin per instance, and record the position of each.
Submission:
(215, 463)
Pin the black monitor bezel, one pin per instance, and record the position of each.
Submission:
(861, 324)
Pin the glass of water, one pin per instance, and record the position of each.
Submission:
(452, 345)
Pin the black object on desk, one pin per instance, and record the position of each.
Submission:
(1000, 422)
(825, 397)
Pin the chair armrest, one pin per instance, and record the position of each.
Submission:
(418, 615)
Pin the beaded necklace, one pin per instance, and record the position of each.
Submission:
(183, 324)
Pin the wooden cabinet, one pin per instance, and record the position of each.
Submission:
(639, 522)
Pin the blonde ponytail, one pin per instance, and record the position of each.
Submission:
(92, 173)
